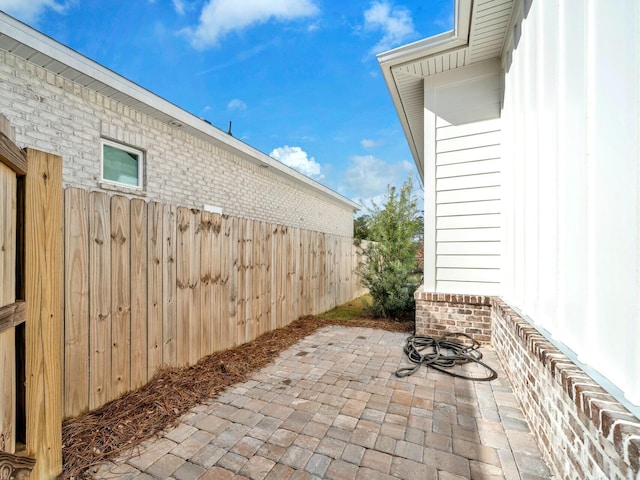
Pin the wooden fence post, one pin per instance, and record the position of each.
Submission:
(44, 298)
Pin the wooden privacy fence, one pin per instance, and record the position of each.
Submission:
(30, 310)
(150, 285)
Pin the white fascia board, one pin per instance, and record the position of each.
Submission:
(55, 50)
(456, 38)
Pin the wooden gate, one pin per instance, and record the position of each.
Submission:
(13, 168)
(30, 309)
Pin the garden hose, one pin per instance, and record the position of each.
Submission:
(443, 353)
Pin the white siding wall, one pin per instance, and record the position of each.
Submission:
(463, 182)
(572, 181)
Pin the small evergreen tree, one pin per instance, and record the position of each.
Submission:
(391, 256)
(361, 228)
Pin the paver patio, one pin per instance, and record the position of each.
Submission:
(331, 407)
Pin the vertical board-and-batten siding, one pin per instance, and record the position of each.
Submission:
(463, 183)
(571, 131)
(149, 285)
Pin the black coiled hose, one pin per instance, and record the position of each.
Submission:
(443, 353)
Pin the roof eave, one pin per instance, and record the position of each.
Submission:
(456, 38)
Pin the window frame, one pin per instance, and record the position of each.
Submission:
(125, 148)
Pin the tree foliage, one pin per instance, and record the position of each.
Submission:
(394, 229)
(361, 228)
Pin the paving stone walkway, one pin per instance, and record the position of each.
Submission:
(331, 407)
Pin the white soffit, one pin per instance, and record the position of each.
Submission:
(479, 32)
(35, 47)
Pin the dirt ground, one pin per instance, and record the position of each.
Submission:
(122, 424)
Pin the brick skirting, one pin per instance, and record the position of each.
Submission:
(583, 431)
(440, 312)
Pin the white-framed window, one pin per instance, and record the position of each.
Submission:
(122, 164)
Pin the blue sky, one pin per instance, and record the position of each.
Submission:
(297, 78)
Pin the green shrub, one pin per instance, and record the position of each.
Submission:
(390, 258)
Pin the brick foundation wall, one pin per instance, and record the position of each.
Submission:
(440, 312)
(54, 114)
(583, 431)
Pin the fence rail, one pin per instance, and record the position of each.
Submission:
(149, 284)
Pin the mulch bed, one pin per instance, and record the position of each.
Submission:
(103, 434)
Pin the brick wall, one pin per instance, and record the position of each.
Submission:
(55, 115)
(440, 312)
(583, 431)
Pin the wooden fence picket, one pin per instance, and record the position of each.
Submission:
(76, 295)
(99, 300)
(120, 296)
(154, 288)
(169, 287)
(139, 289)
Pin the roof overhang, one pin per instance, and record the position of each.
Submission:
(43, 51)
(479, 31)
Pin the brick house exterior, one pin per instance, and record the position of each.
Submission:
(61, 102)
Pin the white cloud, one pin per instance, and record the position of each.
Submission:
(30, 10)
(236, 104)
(368, 143)
(179, 6)
(395, 23)
(220, 17)
(367, 178)
(299, 160)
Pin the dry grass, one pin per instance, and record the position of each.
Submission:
(101, 435)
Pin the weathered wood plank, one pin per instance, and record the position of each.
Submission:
(8, 192)
(322, 280)
(308, 267)
(139, 293)
(295, 273)
(258, 272)
(225, 282)
(280, 274)
(302, 308)
(248, 281)
(265, 282)
(99, 300)
(339, 269)
(183, 294)
(169, 286)
(76, 296)
(7, 394)
(331, 271)
(154, 288)
(232, 314)
(273, 268)
(195, 290)
(241, 290)
(120, 296)
(217, 300)
(44, 325)
(8, 220)
(288, 296)
(206, 283)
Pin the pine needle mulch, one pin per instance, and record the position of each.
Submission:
(103, 434)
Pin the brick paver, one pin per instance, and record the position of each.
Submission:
(331, 407)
